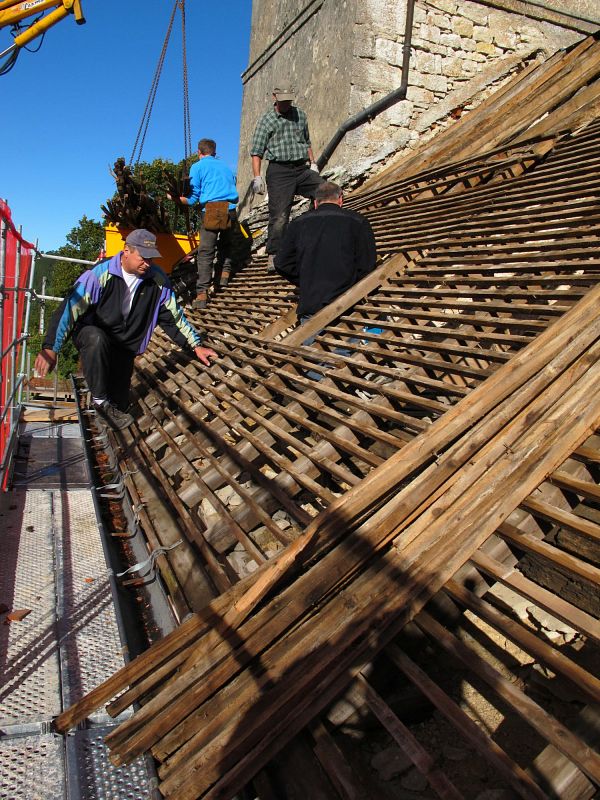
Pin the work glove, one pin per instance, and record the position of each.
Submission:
(314, 166)
(258, 185)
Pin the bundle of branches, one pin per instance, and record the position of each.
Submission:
(224, 692)
(133, 206)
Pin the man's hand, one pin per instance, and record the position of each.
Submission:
(314, 166)
(258, 185)
(205, 354)
(45, 362)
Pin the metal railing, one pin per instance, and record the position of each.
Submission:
(9, 378)
(14, 376)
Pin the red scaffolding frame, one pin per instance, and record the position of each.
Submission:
(15, 262)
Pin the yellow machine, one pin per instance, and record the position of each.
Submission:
(12, 13)
(173, 246)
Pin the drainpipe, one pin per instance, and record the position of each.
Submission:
(367, 114)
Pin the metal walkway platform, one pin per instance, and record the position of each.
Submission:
(53, 567)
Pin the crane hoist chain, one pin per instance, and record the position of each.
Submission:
(138, 147)
(187, 125)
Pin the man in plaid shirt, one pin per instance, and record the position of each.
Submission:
(282, 137)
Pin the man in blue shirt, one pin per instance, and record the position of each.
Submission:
(211, 181)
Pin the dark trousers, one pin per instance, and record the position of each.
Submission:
(340, 351)
(284, 181)
(205, 255)
(107, 366)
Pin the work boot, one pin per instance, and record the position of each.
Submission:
(225, 275)
(201, 301)
(271, 264)
(112, 416)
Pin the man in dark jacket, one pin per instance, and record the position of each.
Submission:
(326, 251)
(110, 314)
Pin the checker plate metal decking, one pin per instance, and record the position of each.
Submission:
(89, 633)
(32, 768)
(97, 778)
(53, 567)
(30, 675)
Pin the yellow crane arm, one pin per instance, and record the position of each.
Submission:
(12, 13)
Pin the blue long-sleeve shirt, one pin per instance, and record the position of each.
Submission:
(211, 180)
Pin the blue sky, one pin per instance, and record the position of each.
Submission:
(71, 109)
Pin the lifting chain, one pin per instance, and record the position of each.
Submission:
(187, 126)
(136, 153)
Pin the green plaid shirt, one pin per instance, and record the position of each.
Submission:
(281, 138)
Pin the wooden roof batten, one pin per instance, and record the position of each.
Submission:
(457, 438)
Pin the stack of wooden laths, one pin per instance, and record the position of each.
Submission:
(222, 694)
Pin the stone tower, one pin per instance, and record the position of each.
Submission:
(342, 55)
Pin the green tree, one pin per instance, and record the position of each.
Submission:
(85, 241)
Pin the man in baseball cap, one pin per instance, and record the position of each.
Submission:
(110, 314)
(144, 242)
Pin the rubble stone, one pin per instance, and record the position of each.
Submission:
(420, 97)
(430, 33)
(399, 114)
(452, 67)
(427, 63)
(390, 763)
(435, 83)
(462, 27)
(506, 40)
(414, 781)
(485, 48)
(449, 6)
(481, 34)
(388, 51)
(474, 12)
(451, 40)
(439, 21)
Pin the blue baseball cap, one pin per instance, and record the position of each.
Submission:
(144, 242)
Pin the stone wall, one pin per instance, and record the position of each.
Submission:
(343, 55)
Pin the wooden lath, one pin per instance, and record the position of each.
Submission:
(541, 389)
(433, 355)
(445, 449)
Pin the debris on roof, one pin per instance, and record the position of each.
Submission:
(441, 478)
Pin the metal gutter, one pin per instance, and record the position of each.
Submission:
(158, 600)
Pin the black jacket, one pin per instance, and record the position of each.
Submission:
(97, 298)
(324, 252)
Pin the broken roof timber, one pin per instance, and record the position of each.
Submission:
(461, 418)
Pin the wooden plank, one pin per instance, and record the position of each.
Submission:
(477, 737)
(426, 765)
(542, 597)
(528, 641)
(442, 555)
(559, 516)
(548, 727)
